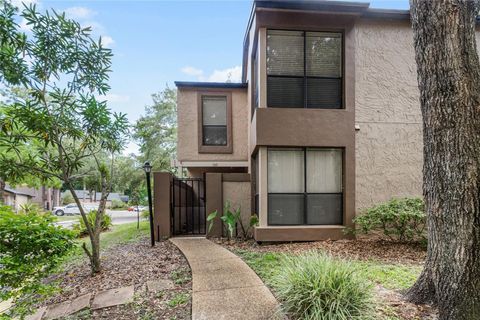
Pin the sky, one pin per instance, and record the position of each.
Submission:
(158, 42)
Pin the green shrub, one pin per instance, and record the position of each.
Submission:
(31, 246)
(29, 207)
(317, 286)
(118, 204)
(67, 198)
(399, 219)
(81, 229)
(145, 213)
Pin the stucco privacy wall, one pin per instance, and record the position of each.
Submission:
(387, 111)
(187, 148)
(239, 195)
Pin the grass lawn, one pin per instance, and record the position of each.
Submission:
(123, 233)
(67, 218)
(393, 277)
(390, 276)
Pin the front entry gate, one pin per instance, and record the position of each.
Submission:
(187, 206)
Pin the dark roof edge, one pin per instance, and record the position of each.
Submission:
(14, 191)
(386, 14)
(216, 85)
(325, 5)
(361, 8)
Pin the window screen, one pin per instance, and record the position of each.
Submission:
(304, 69)
(305, 186)
(214, 120)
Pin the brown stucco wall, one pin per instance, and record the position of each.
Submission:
(161, 204)
(389, 142)
(238, 194)
(187, 116)
(293, 127)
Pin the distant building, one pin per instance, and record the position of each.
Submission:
(45, 197)
(15, 198)
(94, 197)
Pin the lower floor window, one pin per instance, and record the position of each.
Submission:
(305, 186)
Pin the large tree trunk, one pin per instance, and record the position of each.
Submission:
(449, 82)
(2, 191)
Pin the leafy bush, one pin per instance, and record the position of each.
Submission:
(399, 219)
(67, 198)
(231, 219)
(118, 204)
(317, 286)
(31, 246)
(145, 213)
(29, 207)
(81, 229)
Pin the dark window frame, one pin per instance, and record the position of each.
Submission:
(228, 147)
(305, 193)
(305, 77)
(255, 84)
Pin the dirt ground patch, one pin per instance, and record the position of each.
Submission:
(128, 264)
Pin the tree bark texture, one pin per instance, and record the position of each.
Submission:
(449, 81)
(2, 191)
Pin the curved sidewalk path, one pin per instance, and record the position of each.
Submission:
(224, 287)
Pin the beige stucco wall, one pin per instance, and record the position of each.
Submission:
(387, 111)
(187, 113)
(239, 195)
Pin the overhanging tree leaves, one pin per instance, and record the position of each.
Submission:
(156, 132)
(449, 81)
(59, 124)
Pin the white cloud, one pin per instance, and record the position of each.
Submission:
(79, 13)
(107, 41)
(97, 28)
(115, 98)
(233, 74)
(226, 75)
(191, 71)
(20, 3)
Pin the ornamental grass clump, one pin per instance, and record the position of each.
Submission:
(316, 286)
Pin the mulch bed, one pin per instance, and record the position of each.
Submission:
(361, 249)
(364, 249)
(128, 264)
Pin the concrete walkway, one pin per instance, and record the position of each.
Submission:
(224, 287)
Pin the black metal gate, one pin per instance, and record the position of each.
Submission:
(187, 206)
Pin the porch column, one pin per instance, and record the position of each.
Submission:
(161, 204)
(214, 201)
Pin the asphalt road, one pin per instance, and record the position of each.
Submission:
(118, 217)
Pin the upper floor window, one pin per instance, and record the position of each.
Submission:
(215, 122)
(304, 69)
(214, 109)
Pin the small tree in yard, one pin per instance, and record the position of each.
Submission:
(59, 125)
(449, 81)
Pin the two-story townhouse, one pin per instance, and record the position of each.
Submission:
(325, 123)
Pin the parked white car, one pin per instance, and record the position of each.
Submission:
(72, 209)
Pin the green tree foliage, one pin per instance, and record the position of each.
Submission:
(60, 123)
(128, 175)
(67, 198)
(31, 246)
(156, 132)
